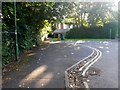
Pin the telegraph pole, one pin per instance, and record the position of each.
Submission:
(110, 33)
(16, 43)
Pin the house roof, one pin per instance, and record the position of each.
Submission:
(60, 31)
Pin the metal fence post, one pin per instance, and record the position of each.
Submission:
(16, 43)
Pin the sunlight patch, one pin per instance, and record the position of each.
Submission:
(34, 74)
(65, 56)
(107, 47)
(101, 47)
(46, 79)
(30, 54)
(78, 42)
(107, 51)
(72, 53)
(55, 42)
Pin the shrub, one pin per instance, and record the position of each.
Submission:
(108, 31)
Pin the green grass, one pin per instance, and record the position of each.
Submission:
(82, 39)
(55, 39)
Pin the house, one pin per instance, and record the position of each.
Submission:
(61, 31)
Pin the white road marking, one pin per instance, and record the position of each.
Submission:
(86, 66)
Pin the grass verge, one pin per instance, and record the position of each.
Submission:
(82, 39)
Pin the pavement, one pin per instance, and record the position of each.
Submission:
(47, 67)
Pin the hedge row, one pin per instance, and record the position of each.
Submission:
(27, 38)
(108, 31)
(32, 27)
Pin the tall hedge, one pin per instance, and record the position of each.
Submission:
(31, 30)
(108, 31)
(34, 22)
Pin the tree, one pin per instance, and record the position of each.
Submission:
(34, 21)
(92, 13)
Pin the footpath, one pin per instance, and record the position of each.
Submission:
(46, 67)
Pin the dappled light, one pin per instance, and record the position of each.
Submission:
(47, 70)
(72, 53)
(107, 51)
(65, 46)
(35, 73)
(42, 82)
(101, 47)
(46, 79)
(80, 41)
(55, 42)
(65, 56)
(105, 42)
(58, 73)
(42, 39)
(43, 48)
(107, 47)
(38, 62)
(77, 48)
(75, 44)
(30, 54)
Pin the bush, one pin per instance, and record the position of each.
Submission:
(108, 31)
(31, 29)
(27, 37)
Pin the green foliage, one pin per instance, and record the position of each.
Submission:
(43, 33)
(7, 39)
(34, 21)
(27, 38)
(108, 31)
(113, 27)
(92, 13)
(119, 29)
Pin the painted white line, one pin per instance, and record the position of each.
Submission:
(86, 85)
(66, 77)
(86, 66)
(89, 62)
(100, 53)
(93, 51)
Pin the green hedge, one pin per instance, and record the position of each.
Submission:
(31, 30)
(108, 31)
(27, 37)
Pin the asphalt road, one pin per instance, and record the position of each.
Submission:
(107, 65)
(47, 67)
